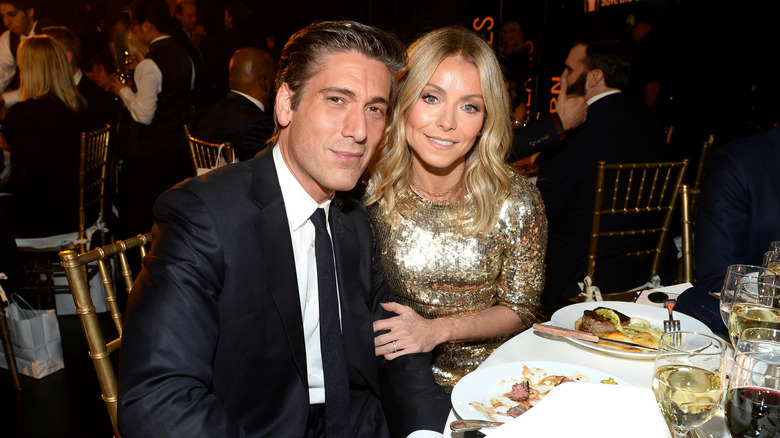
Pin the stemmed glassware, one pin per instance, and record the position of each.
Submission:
(772, 261)
(736, 274)
(753, 397)
(755, 305)
(687, 380)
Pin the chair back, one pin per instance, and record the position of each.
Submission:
(686, 220)
(669, 131)
(647, 189)
(701, 171)
(99, 350)
(205, 154)
(92, 178)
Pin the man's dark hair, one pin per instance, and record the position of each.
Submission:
(239, 12)
(155, 12)
(179, 8)
(304, 52)
(105, 60)
(611, 57)
(20, 5)
(67, 38)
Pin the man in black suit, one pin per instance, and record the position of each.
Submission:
(617, 130)
(223, 329)
(242, 116)
(736, 218)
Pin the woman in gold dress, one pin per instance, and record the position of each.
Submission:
(463, 235)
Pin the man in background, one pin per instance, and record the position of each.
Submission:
(617, 130)
(243, 116)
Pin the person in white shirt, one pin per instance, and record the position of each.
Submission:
(19, 17)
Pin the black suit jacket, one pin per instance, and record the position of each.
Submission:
(102, 107)
(617, 131)
(213, 343)
(235, 119)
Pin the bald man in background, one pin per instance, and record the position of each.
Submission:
(243, 116)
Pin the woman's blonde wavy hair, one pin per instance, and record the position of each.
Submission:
(45, 70)
(487, 177)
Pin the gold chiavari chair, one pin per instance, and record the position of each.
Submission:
(40, 254)
(99, 349)
(669, 130)
(686, 262)
(701, 171)
(205, 154)
(641, 189)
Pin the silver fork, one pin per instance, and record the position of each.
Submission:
(671, 324)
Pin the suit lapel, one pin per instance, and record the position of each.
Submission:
(275, 246)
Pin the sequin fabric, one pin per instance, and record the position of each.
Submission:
(438, 271)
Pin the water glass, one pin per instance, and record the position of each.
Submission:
(752, 404)
(758, 340)
(772, 261)
(687, 381)
(736, 274)
(756, 304)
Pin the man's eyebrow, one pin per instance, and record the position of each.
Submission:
(351, 94)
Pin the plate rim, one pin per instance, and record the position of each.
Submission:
(519, 363)
(615, 352)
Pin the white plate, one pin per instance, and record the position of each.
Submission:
(489, 382)
(567, 316)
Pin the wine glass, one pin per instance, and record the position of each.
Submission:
(755, 305)
(758, 340)
(753, 397)
(772, 261)
(687, 381)
(774, 245)
(735, 274)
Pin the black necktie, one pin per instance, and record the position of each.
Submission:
(334, 364)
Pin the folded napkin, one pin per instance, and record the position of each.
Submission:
(589, 410)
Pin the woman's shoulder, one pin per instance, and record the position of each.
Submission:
(522, 193)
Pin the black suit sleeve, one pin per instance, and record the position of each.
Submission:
(172, 327)
(534, 137)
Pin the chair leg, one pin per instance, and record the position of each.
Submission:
(9, 351)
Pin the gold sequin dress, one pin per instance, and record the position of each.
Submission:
(436, 270)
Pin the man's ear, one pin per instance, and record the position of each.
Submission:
(595, 77)
(283, 108)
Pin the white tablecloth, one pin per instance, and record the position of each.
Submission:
(532, 345)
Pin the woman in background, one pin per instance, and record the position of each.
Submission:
(463, 235)
(43, 131)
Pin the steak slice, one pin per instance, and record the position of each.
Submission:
(520, 391)
(594, 323)
(517, 411)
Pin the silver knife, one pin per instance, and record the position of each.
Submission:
(575, 334)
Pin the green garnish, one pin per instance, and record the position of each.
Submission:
(612, 317)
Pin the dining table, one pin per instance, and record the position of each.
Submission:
(532, 345)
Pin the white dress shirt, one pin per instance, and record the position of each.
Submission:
(148, 82)
(254, 101)
(8, 65)
(300, 206)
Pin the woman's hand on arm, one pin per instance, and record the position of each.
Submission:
(414, 334)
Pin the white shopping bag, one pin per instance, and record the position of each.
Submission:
(35, 335)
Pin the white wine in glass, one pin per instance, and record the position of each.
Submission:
(736, 274)
(755, 305)
(687, 381)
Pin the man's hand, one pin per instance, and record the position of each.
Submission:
(572, 110)
(117, 85)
